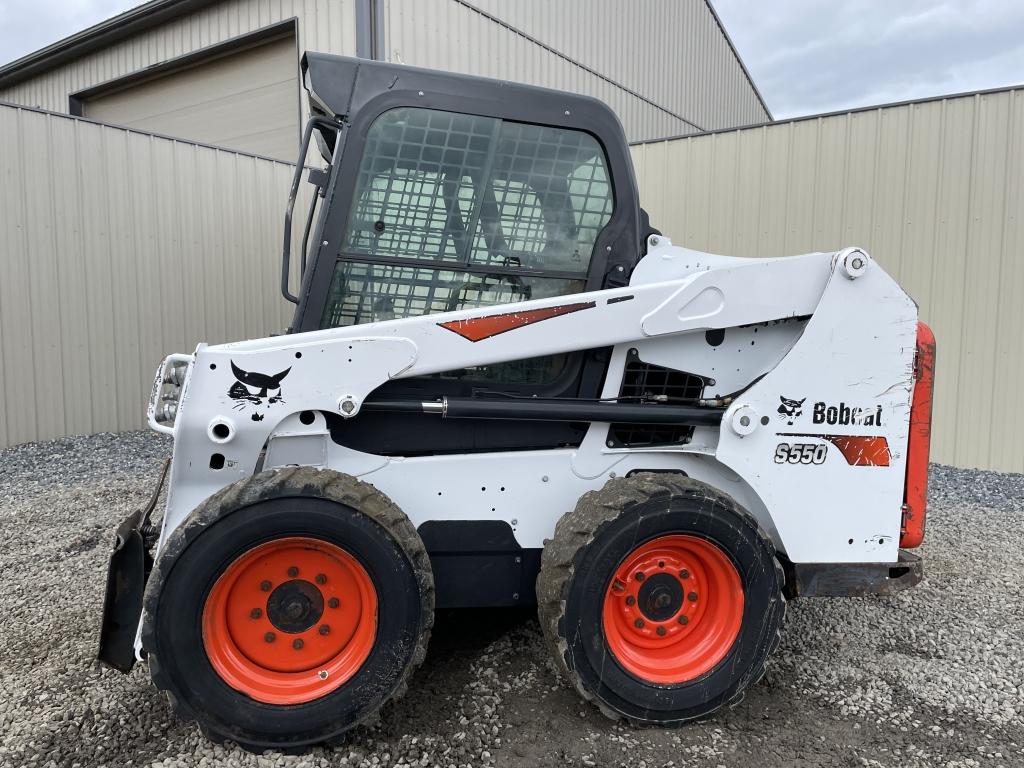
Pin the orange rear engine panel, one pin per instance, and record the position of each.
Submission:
(915, 493)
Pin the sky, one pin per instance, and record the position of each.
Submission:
(811, 56)
(28, 25)
(806, 56)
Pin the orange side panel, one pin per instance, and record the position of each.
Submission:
(915, 492)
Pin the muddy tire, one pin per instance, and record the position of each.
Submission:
(287, 609)
(660, 599)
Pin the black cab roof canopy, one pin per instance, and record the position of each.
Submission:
(344, 86)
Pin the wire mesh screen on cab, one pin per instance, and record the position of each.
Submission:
(477, 191)
(453, 211)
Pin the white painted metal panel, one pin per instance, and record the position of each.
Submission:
(933, 190)
(674, 292)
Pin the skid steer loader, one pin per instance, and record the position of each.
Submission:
(503, 387)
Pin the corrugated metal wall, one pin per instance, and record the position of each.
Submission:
(323, 25)
(932, 190)
(118, 248)
(671, 51)
(653, 62)
(664, 65)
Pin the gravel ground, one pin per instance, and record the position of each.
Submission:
(933, 676)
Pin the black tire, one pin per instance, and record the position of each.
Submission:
(592, 541)
(300, 501)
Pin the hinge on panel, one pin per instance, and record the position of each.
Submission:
(319, 178)
(616, 277)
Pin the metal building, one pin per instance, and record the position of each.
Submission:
(933, 189)
(226, 72)
(168, 233)
(156, 243)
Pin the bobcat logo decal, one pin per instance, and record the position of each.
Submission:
(790, 409)
(252, 391)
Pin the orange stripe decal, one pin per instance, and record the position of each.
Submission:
(480, 328)
(862, 451)
(858, 450)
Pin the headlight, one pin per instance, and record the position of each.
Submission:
(175, 374)
(166, 412)
(167, 392)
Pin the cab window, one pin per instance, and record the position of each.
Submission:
(452, 211)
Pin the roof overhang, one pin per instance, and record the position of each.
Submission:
(98, 36)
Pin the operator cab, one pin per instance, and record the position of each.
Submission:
(446, 192)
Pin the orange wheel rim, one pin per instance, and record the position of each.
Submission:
(290, 621)
(673, 609)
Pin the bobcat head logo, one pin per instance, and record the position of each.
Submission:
(790, 409)
(252, 391)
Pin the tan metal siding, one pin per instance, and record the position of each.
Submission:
(323, 25)
(671, 53)
(657, 61)
(118, 248)
(933, 190)
(247, 100)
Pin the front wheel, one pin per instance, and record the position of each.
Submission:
(288, 608)
(660, 598)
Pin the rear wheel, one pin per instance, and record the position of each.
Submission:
(661, 598)
(265, 618)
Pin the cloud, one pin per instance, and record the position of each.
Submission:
(28, 25)
(807, 56)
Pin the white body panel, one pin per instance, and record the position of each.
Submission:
(855, 351)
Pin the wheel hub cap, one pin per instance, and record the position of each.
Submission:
(290, 620)
(673, 609)
(295, 606)
(660, 598)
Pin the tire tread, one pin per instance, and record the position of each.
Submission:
(576, 530)
(282, 483)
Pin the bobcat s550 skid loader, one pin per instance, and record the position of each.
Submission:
(502, 387)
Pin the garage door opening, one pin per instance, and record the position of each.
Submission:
(243, 96)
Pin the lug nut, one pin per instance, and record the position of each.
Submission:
(322, 674)
(321, 579)
(297, 643)
(684, 620)
(265, 586)
(334, 602)
(293, 571)
(684, 574)
(693, 597)
(269, 637)
(639, 623)
(640, 576)
(325, 629)
(660, 631)
(255, 613)
(630, 600)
